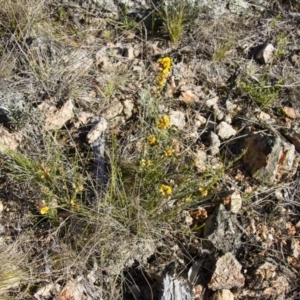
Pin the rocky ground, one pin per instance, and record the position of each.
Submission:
(140, 164)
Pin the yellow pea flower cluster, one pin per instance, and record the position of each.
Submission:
(44, 210)
(42, 207)
(203, 191)
(163, 70)
(151, 139)
(163, 122)
(168, 151)
(145, 163)
(165, 189)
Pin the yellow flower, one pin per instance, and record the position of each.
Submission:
(165, 189)
(168, 151)
(44, 210)
(163, 122)
(148, 162)
(164, 62)
(188, 198)
(160, 80)
(151, 139)
(203, 191)
(145, 162)
(163, 70)
(79, 188)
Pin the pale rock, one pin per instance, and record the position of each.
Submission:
(212, 102)
(136, 51)
(46, 291)
(295, 247)
(162, 108)
(59, 118)
(90, 39)
(218, 113)
(231, 107)
(265, 54)
(198, 291)
(215, 163)
(138, 69)
(72, 291)
(238, 7)
(270, 237)
(223, 295)
(193, 135)
(177, 119)
(82, 118)
(130, 35)
(9, 140)
(279, 195)
(144, 248)
(263, 116)
(214, 143)
(115, 109)
(128, 106)
(266, 271)
(199, 120)
(277, 287)
(296, 60)
(200, 160)
(1, 207)
(46, 107)
(187, 218)
(188, 97)
(228, 119)
(103, 60)
(227, 274)
(236, 202)
(225, 130)
(97, 130)
(290, 112)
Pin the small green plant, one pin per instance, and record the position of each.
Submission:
(221, 50)
(281, 42)
(275, 20)
(261, 90)
(176, 15)
(113, 81)
(126, 21)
